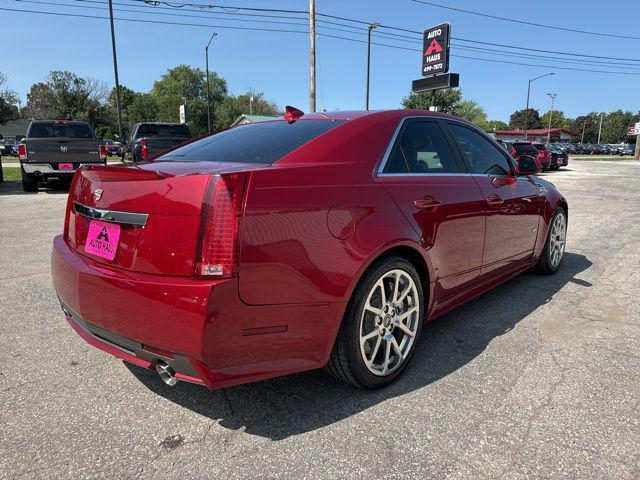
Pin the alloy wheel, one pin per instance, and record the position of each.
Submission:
(389, 322)
(557, 239)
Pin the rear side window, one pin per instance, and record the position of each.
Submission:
(262, 142)
(481, 155)
(60, 130)
(525, 149)
(421, 148)
(180, 131)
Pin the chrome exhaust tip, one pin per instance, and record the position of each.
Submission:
(166, 373)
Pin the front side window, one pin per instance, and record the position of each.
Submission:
(421, 148)
(481, 155)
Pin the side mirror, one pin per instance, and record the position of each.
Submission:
(528, 166)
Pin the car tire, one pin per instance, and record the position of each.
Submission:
(553, 251)
(29, 182)
(379, 332)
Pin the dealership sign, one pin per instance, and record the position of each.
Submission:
(633, 131)
(435, 50)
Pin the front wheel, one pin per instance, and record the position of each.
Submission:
(381, 326)
(553, 250)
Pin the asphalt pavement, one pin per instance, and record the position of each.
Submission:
(539, 378)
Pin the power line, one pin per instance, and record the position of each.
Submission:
(203, 8)
(524, 22)
(212, 15)
(487, 59)
(61, 14)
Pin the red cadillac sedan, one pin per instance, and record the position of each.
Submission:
(318, 240)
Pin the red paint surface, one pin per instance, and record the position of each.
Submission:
(312, 224)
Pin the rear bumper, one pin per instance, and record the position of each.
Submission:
(208, 335)
(51, 168)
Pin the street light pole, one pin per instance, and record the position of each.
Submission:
(553, 99)
(526, 111)
(115, 69)
(373, 26)
(206, 60)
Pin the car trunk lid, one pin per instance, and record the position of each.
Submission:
(155, 206)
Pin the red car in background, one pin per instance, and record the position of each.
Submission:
(544, 155)
(519, 150)
(319, 240)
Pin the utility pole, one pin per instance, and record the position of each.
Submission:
(553, 99)
(312, 55)
(115, 69)
(526, 111)
(584, 127)
(371, 27)
(206, 61)
(600, 128)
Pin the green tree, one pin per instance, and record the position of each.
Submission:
(65, 95)
(614, 126)
(587, 124)
(470, 110)
(188, 85)
(8, 101)
(493, 125)
(517, 119)
(232, 107)
(558, 119)
(446, 100)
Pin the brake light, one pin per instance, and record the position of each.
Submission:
(291, 114)
(22, 151)
(144, 148)
(222, 211)
(103, 152)
(67, 215)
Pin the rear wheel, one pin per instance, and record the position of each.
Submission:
(29, 182)
(553, 251)
(381, 326)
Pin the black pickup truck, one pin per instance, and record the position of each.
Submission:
(148, 139)
(56, 148)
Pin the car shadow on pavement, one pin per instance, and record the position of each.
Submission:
(295, 404)
(10, 187)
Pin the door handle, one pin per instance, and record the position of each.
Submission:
(427, 203)
(494, 200)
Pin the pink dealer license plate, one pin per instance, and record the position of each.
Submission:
(102, 239)
(65, 166)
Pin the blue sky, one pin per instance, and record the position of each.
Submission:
(277, 63)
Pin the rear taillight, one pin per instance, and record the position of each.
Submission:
(144, 149)
(103, 152)
(222, 211)
(22, 151)
(67, 215)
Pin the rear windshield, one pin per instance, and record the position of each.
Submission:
(525, 149)
(262, 142)
(181, 131)
(60, 130)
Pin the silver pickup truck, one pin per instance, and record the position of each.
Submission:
(56, 148)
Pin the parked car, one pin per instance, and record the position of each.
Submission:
(149, 139)
(320, 240)
(113, 148)
(559, 158)
(543, 155)
(629, 149)
(523, 150)
(55, 149)
(9, 147)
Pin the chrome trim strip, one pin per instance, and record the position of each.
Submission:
(129, 218)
